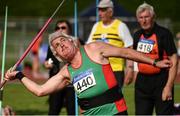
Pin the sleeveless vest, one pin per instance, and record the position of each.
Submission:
(110, 35)
(92, 79)
(149, 46)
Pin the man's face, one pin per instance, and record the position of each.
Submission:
(64, 48)
(145, 19)
(104, 14)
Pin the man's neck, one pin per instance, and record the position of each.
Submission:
(108, 22)
(150, 30)
(76, 61)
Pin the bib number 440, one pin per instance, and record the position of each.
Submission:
(85, 83)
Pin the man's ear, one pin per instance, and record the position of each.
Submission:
(71, 40)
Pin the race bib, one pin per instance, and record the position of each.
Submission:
(84, 81)
(145, 46)
(104, 38)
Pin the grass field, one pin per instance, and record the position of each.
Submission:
(25, 103)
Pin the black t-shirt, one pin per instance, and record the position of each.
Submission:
(56, 63)
(164, 36)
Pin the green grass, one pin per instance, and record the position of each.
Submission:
(22, 101)
(25, 103)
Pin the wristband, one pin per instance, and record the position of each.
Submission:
(155, 62)
(19, 75)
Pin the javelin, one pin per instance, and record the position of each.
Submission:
(4, 45)
(3, 58)
(34, 41)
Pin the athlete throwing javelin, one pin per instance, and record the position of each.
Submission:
(89, 71)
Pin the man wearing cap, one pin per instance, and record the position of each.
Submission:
(89, 71)
(114, 32)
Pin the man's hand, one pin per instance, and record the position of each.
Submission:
(167, 94)
(128, 76)
(10, 75)
(164, 63)
(48, 64)
(129, 73)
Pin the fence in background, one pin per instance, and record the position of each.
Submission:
(21, 31)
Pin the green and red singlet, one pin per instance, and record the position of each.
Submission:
(92, 79)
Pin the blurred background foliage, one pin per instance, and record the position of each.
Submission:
(44, 8)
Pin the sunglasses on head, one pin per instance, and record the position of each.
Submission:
(63, 27)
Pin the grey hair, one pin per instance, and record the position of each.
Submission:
(144, 7)
(56, 35)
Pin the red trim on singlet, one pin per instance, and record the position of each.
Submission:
(107, 71)
(109, 75)
(111, 82)
(121, 105)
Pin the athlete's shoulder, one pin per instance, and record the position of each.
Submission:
(94, 45)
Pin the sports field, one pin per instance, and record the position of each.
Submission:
(25, 103)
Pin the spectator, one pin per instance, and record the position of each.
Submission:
(154, 86)
(35, 57)
(66, 96)
(114, 32)
(178, 45)
(7, 111)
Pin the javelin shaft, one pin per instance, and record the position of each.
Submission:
(37, 36)
(34, 41)
(3, 58)
(4, 45)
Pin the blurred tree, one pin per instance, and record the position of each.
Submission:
(163, 8)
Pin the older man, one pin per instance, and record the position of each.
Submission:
(154, 86)
(115, 32)
(89, 71)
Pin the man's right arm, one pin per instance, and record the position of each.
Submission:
(57, 82)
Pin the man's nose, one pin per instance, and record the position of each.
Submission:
(143, 18)
(61, 45)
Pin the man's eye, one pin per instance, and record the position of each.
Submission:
(63, 39)
(57, 45)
